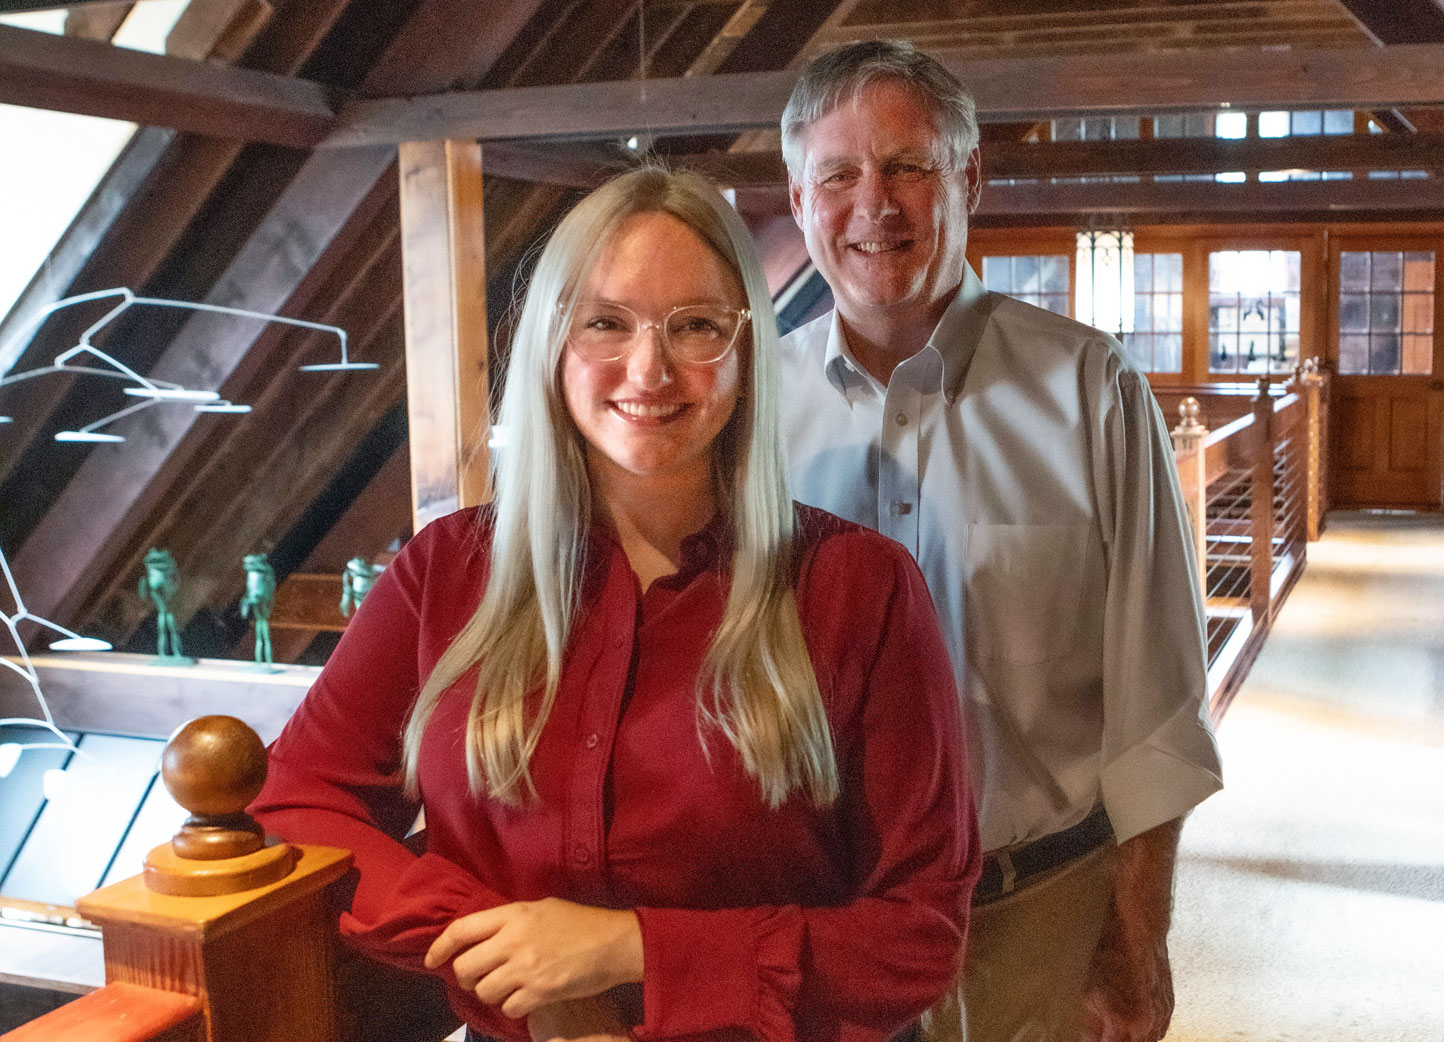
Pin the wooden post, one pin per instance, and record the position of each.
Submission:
(1261, 508)
(1188, 439)
(444, 277)
(1310, 385)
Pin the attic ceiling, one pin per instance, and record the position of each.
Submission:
(317, 472)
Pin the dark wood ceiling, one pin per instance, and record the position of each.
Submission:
(317, 472)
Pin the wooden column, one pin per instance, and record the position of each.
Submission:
(447, 386)
(1261, 509)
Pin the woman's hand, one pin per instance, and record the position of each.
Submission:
(577, 1020)
(529, 954)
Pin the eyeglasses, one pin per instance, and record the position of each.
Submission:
(695, 334)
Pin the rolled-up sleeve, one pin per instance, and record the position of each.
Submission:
(1159, 757)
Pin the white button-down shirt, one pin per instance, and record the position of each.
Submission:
(1023, 461)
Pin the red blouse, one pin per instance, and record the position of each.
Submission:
(844, 922)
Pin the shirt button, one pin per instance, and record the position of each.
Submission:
(619, 642)
(591, 741)
(900, 508)
(582, 854)
(902, 420)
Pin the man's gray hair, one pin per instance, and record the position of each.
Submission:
(840, 75)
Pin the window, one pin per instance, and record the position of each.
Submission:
(1156, 343)
(1386, 313)
(1102, 128)
(1040, 279)
(1253, 311)
(65, 155)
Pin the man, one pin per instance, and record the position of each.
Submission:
(1023, 461)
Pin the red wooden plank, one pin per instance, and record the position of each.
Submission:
(118, 1013)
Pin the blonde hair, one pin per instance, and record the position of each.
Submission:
(756, 685)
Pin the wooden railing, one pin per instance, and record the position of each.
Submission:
(1256, 496)
(227, 939)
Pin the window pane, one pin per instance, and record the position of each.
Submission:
(1053, 275)
(1354, 270)
(1067, 130)
(1125, 128)
(996, 276)
(1230, 124)
(1168, 126)
(1255, 294)
(1387, 272)
(1353, 312)
(1418, 355)
(1353, 353)
(1168, 353)
(1384, 353)
(1168, 268)
(1338, 121)
(1273, 124)
(1384, 313)
(1419, 271)
(1025, 275)
(1308, 122)
(1385, 309)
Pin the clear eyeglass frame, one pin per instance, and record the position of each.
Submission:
(619, 345)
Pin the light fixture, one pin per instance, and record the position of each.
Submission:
(1103, 280)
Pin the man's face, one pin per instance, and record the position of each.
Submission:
(883, 210)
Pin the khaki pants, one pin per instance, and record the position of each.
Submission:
(1028, 957)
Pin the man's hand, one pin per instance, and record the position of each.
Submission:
(528, 954)
(577, 1020)
(1129, 993)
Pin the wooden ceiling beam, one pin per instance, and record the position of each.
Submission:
(1007, 89)
(70, 74)
(1246, 201)
(586, 164)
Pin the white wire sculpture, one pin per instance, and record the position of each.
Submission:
(150, 392)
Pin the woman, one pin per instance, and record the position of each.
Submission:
(689, 755)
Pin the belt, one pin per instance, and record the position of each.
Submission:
(1012, 868)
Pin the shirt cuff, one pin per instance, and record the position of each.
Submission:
(726, 970)
(1161, 778)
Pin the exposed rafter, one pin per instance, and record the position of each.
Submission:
(1006, 89)
(84, 76)
(97, 79)
(583, 165)
(1253, 200)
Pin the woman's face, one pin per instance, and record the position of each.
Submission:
(646, 415)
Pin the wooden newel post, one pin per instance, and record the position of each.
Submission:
(240, 930)
(1188, 447)
(1311, 386)
(1261, 508)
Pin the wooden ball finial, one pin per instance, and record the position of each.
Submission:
(214, 766)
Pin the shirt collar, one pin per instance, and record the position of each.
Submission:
(959, 330)
(707, 549)
(955, 339)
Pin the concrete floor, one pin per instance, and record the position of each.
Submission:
(1310, 895)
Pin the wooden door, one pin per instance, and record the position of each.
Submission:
(1386, 313)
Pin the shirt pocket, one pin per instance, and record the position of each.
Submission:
(1024, 589)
